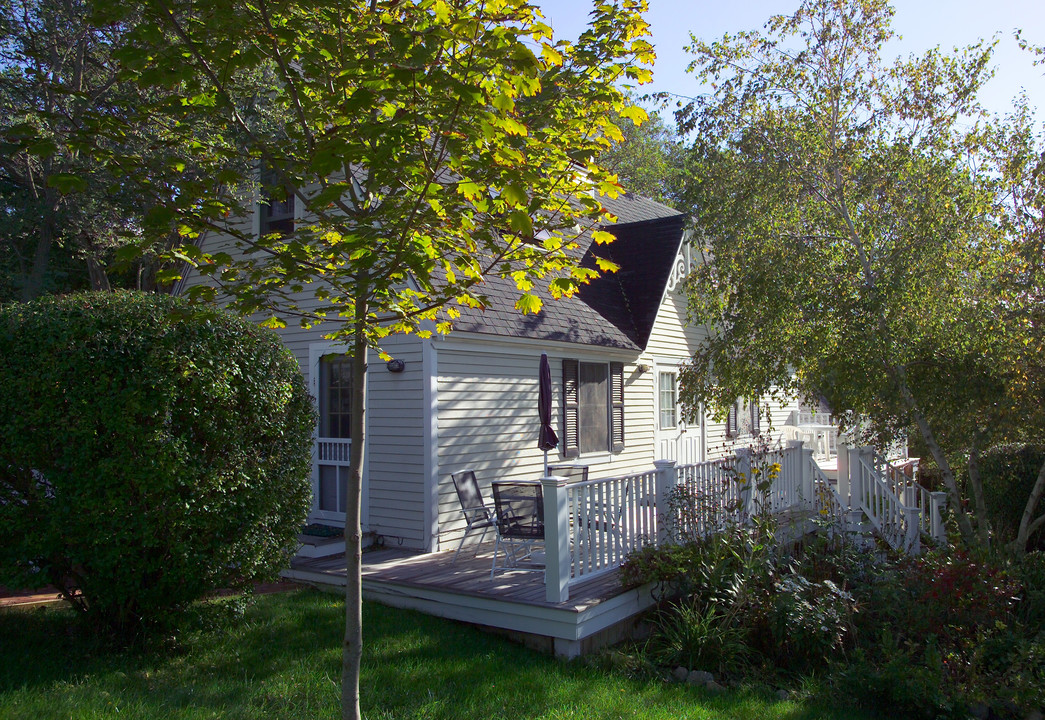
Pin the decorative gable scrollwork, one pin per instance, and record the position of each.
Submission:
(684, 262)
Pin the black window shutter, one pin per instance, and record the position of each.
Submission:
(616, 407)
(756, 418)
(731, 421)
(570, 408)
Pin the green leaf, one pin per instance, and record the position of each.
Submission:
(519, 221)
(515, 195)
(528, 304)
(67, 183)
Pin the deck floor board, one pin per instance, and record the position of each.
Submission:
(470, 575)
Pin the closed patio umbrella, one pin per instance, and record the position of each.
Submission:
(547, 439)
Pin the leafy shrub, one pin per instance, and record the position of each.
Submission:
(740, 605)
(808, 621)
(946, 595)
(907, 682)
(666, 565)
(702, 638)
(1030, 572)
(151, 453)
(1008, 473)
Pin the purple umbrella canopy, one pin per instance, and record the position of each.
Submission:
(547, 440)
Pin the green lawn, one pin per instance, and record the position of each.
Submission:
(283, 661)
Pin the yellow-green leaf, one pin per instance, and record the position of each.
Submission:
(528, 303)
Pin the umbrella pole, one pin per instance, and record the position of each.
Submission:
(545, 464)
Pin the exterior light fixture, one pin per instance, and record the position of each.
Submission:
(395, 365)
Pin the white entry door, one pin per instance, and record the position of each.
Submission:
(675, 438)
(331, 380)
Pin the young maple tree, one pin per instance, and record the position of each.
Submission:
(426, 145)
(861, 241)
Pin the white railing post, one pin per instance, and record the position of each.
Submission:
(843, 476)
(910, 495)
(937, 504)
(805, 466)
(556, 540)
(667, 479)
(747, 488)
(912, 517)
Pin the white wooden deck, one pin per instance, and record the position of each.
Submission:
(513, 600)
(590, 527)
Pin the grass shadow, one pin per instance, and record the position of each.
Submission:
(283, 660)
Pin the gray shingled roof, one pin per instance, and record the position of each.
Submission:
(615, 310)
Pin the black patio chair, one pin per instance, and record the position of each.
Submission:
(476, 514)
(572, 473)
(519, 508)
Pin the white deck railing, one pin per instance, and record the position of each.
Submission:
(898, 524)
(902, 478)
(592, 526)
(827, 502)
(708, 497)
(608, 519)
(898, 507)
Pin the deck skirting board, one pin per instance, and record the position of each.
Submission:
(562, 624)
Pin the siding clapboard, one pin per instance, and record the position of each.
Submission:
(488, 420)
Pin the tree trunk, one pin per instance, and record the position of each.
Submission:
(983, 525)
(896, 370)
(964, 526)
(1028, 525)
(34, 283)
(352, 648)
(96, 271)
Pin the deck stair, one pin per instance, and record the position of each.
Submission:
(885, 495)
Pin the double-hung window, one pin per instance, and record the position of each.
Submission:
(276, 212)
(335, 396)
(593, 407)
(668, 400)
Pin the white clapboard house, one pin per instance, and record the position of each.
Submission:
(468, 401)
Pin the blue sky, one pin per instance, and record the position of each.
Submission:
(923, 24)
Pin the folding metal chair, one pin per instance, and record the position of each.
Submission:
(476, 514)
(520, 522)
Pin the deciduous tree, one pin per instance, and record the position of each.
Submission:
(426, 145)
(858, 244)
(67, 207)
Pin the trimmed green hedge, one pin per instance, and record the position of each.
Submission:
(151, 452)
